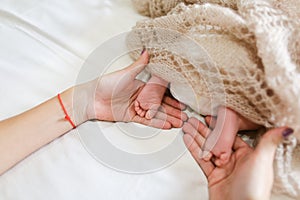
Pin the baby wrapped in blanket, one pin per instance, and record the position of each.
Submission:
(241, 58)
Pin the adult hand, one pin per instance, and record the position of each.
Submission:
(112, 97)
(249, 172)
(109, 98)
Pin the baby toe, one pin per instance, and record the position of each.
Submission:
(150, 114)
(206, 155)
(223, 159)
(143, 113)
(139, 111)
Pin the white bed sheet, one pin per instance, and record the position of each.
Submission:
(44, 44)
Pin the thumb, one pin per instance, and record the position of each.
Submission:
(267, 146)
(263, 159)
(138, 66)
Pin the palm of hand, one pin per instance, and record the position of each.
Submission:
(221, 178)
(249, 172)
(115, 94)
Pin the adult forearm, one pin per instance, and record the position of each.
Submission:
(25, 133)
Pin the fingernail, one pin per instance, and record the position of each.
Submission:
(287, 132)
(144, 49)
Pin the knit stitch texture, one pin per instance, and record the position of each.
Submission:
(243, 54)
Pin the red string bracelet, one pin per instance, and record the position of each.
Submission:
(67, 117)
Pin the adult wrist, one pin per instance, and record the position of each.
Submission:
(83, 98)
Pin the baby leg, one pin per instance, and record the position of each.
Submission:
(221, 139)
(149, 100)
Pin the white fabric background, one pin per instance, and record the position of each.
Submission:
(44, 44)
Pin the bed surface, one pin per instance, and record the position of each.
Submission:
(44, 45)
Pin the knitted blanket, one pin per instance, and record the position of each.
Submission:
(243, 54)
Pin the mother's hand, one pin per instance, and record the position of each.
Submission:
(114, 95)
(248, 174)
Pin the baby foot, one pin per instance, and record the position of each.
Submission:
(221, 139)
(149, 100)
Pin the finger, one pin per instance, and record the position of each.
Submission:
(152, 111)
(174, 103)
(265, 153)
(150, 114)
(270, 140)
(210, 121)
(200, 131)
(156, 123)
(199, 126)
(169, 110)
(175, 122)
(190, 130)
(138, 66)
(195, 150)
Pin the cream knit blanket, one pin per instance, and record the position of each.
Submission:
(242, 54)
